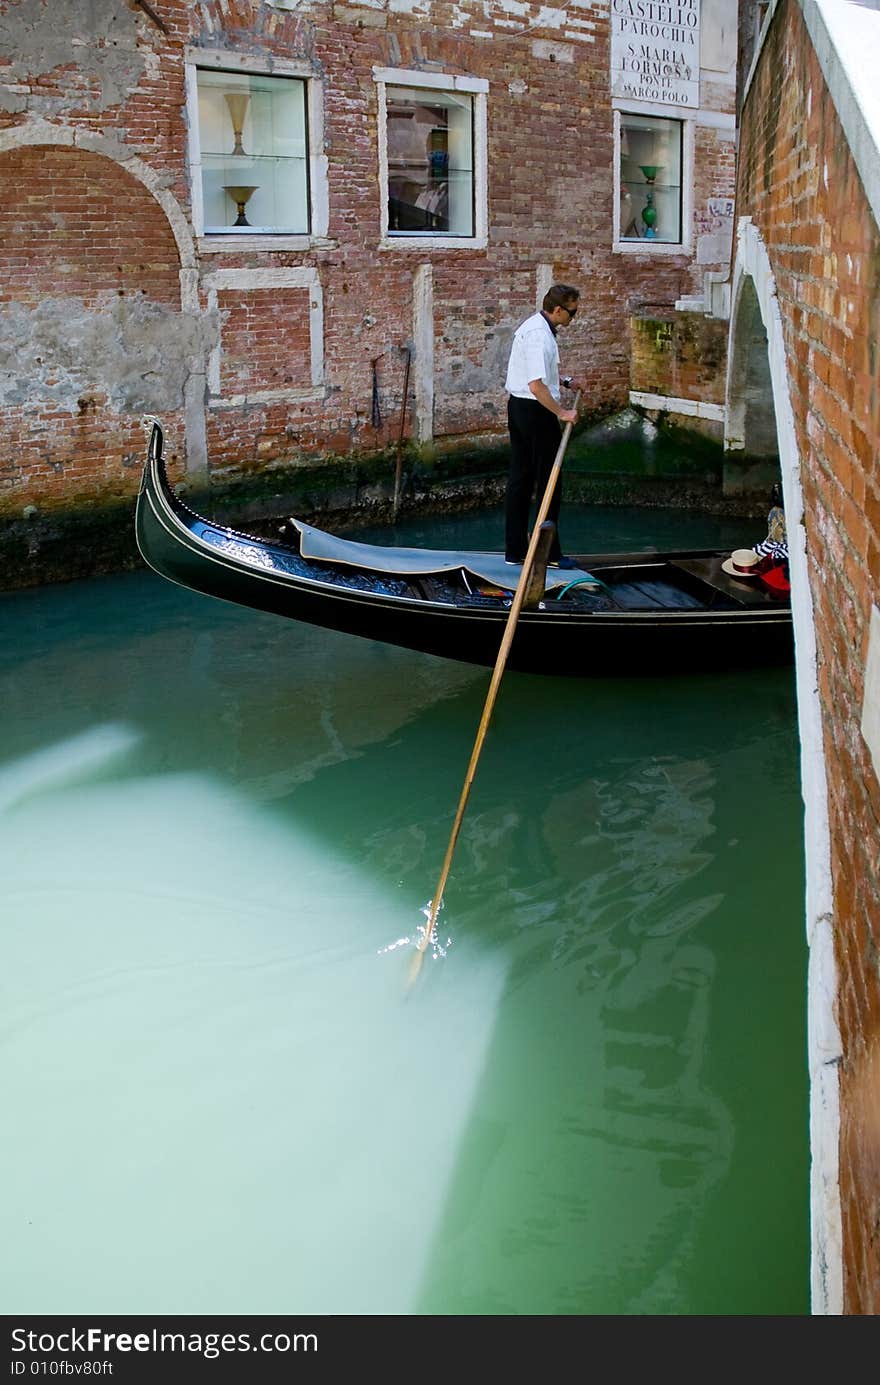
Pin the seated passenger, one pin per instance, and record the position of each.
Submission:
(773, 550)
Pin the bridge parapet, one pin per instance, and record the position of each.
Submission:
(807, 278)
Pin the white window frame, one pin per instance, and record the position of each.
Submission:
(655, 247)
(210, 59)
(478, 87)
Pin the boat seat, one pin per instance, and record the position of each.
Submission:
(749, 593)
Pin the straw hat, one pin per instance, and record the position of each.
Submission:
(741, 563)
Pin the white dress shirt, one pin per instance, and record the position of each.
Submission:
(534, 355)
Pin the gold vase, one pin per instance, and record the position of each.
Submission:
(241, 197)
(237, 101)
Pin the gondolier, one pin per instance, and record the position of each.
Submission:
(534, 415)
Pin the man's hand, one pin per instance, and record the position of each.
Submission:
(543, 396)
(568, 383)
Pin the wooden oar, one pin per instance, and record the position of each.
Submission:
(500, 662)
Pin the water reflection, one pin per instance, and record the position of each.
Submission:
(223, 1101)
(606, 870)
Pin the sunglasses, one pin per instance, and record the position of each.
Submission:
(571, 311)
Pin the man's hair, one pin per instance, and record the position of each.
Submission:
(559, 296)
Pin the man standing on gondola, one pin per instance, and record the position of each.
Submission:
(534, 415)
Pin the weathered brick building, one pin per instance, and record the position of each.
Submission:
(240, 215)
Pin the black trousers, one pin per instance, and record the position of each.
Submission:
(535, 434)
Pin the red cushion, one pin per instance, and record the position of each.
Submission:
(776, 581)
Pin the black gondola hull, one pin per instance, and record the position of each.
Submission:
(247, 571)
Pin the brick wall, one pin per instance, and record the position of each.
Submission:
(86, 256)
(683, 355)
(265, 340)
(799, 183)
(550, 197)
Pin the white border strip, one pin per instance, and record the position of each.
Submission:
(694, 408)
(656, 247)
(823, 1039)
(249, 280)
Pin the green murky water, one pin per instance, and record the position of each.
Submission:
(220, 1098)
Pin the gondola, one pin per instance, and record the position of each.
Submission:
(650, 612)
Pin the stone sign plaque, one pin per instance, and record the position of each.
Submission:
(655, 51)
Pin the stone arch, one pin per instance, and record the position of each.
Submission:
(43, 132)
(750, 432)
(77, 414)
(753, 287)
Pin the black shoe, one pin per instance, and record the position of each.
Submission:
(567, 564)
(518, 562)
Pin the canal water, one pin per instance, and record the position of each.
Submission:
(218, 831)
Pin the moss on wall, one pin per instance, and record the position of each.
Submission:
(623, 459)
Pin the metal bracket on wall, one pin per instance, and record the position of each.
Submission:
(151, 14)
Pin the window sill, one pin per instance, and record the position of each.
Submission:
(234, 245)
(417, 242)
(649, 247)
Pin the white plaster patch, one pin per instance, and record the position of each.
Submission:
(543, 280)
(718, 36)
(715, 247)
(517, 87)
(722, 121)
(549, 18)
(552, 52)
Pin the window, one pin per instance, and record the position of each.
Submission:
(651, 157)
(432, 158)
(430, 162)
(253, 154)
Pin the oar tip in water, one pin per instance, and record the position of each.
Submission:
(427, 938)
(415, 966)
